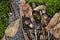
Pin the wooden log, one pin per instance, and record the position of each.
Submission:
(14, 8)
(11, 2)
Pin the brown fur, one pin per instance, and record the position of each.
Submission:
(12, 28)
(54, 26)
(53, 21)
(25, 9)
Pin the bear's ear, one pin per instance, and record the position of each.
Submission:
(29, 10)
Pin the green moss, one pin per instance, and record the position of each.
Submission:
(4, 9)
(52, 5)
